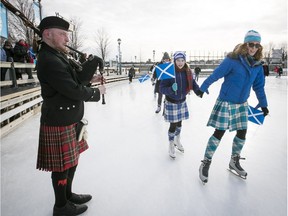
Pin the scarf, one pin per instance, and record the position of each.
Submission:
(188, 76)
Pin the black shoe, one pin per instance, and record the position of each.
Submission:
(80, 198)
(70, 209)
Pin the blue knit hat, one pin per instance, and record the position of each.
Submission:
(179, 54)
(252, 36)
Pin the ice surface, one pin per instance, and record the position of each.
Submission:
(128, 171)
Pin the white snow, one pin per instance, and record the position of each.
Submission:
(128, 171)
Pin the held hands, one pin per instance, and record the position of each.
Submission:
(199, 93)
(174, 87)
(265, 111)
(102, 89)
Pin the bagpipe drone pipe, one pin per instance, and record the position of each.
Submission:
(87, 69)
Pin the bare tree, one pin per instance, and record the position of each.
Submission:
(102, 40)
(76, 38)
(268, 53)
(17, 29)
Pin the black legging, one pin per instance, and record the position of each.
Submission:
(173, 126)
(241, 134)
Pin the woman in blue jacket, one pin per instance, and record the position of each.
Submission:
(242, 70)
(175, 107)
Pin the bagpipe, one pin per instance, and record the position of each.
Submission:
(85, 70)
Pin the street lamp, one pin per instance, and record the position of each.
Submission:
(119, 42)
(154, 56)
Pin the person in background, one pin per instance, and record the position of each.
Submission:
(9, 57)
(60, 138)
(21, 55)
(197, 71)
(175, 106)
(131, 74)
(242, 70)
(265, 69)
(165, 59)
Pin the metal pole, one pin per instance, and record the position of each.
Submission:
(13, 75)
(119, 42)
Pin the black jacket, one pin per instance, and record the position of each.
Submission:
(63, 94)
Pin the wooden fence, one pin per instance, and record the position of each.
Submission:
(21, 99)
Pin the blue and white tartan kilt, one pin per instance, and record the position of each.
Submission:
(226, 115)
(175, 112)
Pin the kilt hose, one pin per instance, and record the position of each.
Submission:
(226, 115)
(58, 148)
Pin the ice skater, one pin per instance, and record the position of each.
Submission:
(242, 70)
(175, 106)
(165, 59)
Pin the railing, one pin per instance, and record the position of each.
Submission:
(19, 102)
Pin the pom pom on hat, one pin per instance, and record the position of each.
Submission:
(179, 54)
(252, 36)
(165, 56)
(53, 22)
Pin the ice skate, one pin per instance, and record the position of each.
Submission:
(158, 109)
(203, 170)
(235, 167)
(172, 153)
(178, 144)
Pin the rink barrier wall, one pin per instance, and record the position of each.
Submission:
(24, 98)
(25, 101)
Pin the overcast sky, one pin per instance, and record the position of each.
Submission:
(194, 26)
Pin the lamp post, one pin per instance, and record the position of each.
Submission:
(153, 56)
(119, 42)
(117, 64)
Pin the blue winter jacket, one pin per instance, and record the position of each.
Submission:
(239, 77)
(180, 95)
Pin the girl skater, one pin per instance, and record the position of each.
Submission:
(242, 70)
(175, 107)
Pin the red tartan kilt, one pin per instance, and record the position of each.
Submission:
(58, 148)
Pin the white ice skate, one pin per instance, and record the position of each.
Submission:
(235, 167)
(178, 144)
(158, 109)
(172, 153)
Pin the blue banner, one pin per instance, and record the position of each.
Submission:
(4, 23)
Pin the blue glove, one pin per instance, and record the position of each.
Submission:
(175, 87)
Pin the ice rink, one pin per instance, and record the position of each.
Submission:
(128, 171)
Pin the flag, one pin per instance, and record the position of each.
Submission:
(256, 116)
(144, 78)
(165, 71)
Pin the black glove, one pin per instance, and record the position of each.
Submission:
(265, 111)
(199, 93)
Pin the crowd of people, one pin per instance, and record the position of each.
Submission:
(21, 52)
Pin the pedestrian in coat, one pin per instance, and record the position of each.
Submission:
(8, 48)
(62, 110)
(242, 70)
(175, 106)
